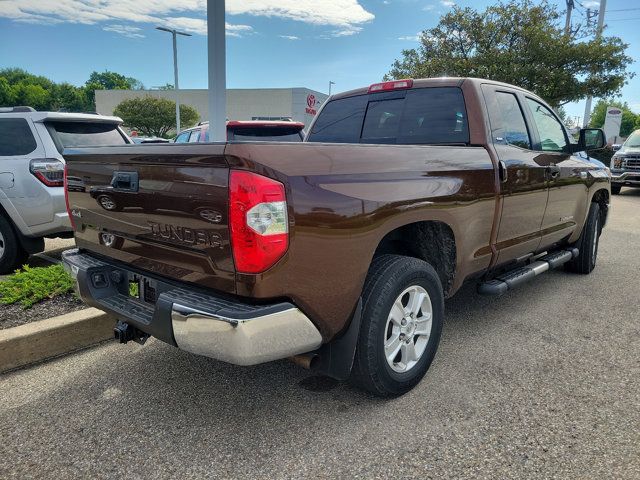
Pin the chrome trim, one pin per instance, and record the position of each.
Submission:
(622, 177)
(539, 267)
(244, 341)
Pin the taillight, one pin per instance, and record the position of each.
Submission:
(257, 220)
(392, 85)
(66, 198)
(48, 170)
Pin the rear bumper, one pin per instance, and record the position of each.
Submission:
(626, 178)
(206, 324)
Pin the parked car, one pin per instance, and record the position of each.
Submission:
(625, 164)
(32, 205)
(247, 131)
(340, 251)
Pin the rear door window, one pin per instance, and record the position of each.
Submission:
(507, 121)
(86, 134)
(16, 137)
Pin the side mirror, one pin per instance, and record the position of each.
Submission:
(591, 139)
(616, 147)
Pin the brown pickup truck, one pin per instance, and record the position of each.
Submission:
(338, 251)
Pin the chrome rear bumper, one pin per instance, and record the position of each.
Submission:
(205, 323)
(244, 341)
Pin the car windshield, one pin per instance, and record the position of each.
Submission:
(633, 140)
(86, 134)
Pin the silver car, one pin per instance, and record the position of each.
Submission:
(32, 204)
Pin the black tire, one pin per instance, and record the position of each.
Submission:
(615, 189)
(388, 277)
(13, 255)
(588, 243)
(108, 203)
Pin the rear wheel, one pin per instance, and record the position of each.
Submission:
(615, 189)
(12, 255)
(588, 243)
(403, 308)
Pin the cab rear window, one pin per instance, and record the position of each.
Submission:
(85, 134)
(435, 115)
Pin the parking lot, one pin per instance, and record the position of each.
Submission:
(542, 382)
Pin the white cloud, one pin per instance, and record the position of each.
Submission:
(289, 37)
(591, 4)
(345, 16)
(447, 3)
(411, 38)
(125, 30)
(428, 8)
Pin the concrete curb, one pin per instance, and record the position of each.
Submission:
(37, 341)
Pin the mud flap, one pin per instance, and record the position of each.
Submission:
(335, 359)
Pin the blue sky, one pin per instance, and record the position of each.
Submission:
(272, 43)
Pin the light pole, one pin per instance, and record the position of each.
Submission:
(331, 83)
(176, 87)
(217, 70)
(587, 106)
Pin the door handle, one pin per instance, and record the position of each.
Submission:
(553, 171)
(502, 171)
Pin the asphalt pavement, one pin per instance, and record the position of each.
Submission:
(540, 383)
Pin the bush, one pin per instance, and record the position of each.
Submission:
(32, 285)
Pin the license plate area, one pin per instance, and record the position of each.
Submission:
(143, 289)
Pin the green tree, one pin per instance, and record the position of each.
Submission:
(599, 114)
(153, 116)
(521, 43)
(108, 81)
(6, 93)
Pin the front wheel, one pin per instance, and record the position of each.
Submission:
(403, 310)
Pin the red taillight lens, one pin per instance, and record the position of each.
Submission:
(257, 220)
(66, 198)
(392, 85)
(49, 171)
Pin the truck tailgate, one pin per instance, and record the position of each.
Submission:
(162, 213)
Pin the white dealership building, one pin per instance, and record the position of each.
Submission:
(298, 104)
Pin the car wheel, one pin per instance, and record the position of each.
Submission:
(402, 314)
(615, 189)
(588, 243)
(108, 203)
(12, 255)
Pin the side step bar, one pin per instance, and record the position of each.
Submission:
(510, 280)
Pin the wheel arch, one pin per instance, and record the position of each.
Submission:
(431, 240)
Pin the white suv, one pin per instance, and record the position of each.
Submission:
(32, 204)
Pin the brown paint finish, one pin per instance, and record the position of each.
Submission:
(342, 199)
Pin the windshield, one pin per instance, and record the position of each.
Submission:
(85, 134)
(633, 140)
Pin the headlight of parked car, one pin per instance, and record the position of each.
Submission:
(616, 162)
